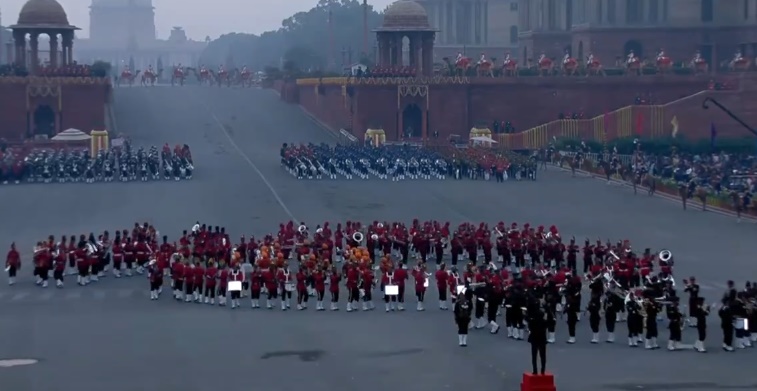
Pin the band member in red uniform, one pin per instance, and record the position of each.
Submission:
(236, 275)
(256, 286)
(353, 293)
(12, 264)
(287, 286)
(421, 283)
(302, 291)
(269, 276)
(198, 278)
(223, 283)
(400, 274)
(118, 256)
(130, 256)
(211, 274)
(367, 287)
(71, 253)
(334, 279)
(188, 274)
(441, 284)
(142, 253)
(177, 276)
(59, 266)
(155, 274)
(319, 285)
(81, 264)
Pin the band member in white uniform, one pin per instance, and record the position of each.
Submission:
(236, 275)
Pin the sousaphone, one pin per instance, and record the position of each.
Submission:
(358, 237)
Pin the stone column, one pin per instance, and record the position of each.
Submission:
(413, 50)
(34, 46)
(19, 39)
(68, 41)
(53, 49)
(396, 51)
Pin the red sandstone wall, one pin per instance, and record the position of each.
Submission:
(83, 107)
(694, 122)
(329, 107)
(12, 111)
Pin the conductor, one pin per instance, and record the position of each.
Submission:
(537, 334)
(462, 313)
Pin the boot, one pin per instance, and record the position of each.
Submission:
(739, 342)
(334, 307)
(480, 323)
(11, 280)
(648, 344)
(371, 306)
(610, 337)
(654, 343)
(207, 300)
(386, 307)
(753, 337)
(268, 304)
(233, 304)
(460, 340)
(391, 306)
(727, 348)
(494, 327)
(44, 285)
(420, 307)
(465, 339)
(551, 337)
(283, 305)
(59, 283)
(349, 307)
(300, 307)
(671, 345)
(572, 340)
(287, 303)
(400, 307)
(187, 298)
(632, 342)
(509, 332)
(748, 341)
(222, 301)
(595, 338)
(441, 305)
(365, 306)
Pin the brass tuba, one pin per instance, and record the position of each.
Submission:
(358, 237)
(302, 228)
(665, 256)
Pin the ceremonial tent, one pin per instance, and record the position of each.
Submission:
(71, 135)
(377, 137)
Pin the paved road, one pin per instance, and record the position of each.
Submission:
(122, 341)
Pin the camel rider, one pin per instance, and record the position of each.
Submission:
(542, 57)
(697, 56)
(459, 58)
(149, 70)
(245, 70)
(221, 69)
(483, 59)
(127, 70)
(203, 69)
(180, 68)
(631, 57)
(566, 57)
(590, 59)
(661, 54)
(507, 57)
(738, 56)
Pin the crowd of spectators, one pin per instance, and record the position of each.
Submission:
(401, 71)
(73, 70)
(719, 172)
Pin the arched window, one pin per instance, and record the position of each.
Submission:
(513, 34)
(708, 10)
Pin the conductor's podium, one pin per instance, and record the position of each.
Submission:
(533, 382)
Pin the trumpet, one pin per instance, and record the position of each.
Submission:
(498, 232)
(612, 253)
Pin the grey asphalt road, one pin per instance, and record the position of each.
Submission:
(110, 335)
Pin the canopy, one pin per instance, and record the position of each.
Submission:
(71, 135)
(483, 139)
(476, 132)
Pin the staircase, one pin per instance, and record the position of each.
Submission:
(649, 121)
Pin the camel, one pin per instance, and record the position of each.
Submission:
(178, 76)
(460, 67)
(570, 66)
(594, 67)
(740, 64)
(633, 66)
(149, 78)
(545, 66)
(510, 67)
(699, 65)
(484, 68)
(128, 77)
(664, 64)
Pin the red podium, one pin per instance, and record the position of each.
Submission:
(531, 382)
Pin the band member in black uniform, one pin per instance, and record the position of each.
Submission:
(552, 297)
(651, 308)
(692, 288)
(612, 305)
(675, 318)
(462, 313)
(573, 256)
(594, 309)
(700, 317)
(741, 316)
(494, 299)
(537, 334)
(635, 320)
(572, 308)
(514, 309)
(588, 252)
(726, 324)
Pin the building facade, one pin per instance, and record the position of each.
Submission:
(473, 26)
(123, 32)
(612, 28)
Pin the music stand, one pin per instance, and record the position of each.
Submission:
(235, 286)
(391, 290)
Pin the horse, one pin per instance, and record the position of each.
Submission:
(570, 66)
(633, 66)
(510, 68)
(575, 162)
(664, 64)
(645, 179)
(594, 67)
(691, 191)
(609, 170)
(545, 66)
(741, 203)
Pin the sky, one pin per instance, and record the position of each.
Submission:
(208, 18)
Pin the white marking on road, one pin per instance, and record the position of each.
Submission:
(249, 161)
(73, 295)
(16, 362)
(125, 293)
(20, 296)
(99, 294)
(45, 296)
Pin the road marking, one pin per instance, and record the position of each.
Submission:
(249, 161)
(99, 294)
(75, 295)
(45, 296)
(16, 362)
(19, 296)
(125, 293)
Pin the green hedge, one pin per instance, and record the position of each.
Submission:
(664, 146)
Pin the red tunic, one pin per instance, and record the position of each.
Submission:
(319, 281)
(441, 279)
(301, 279)
(334, 280)
(210, 277)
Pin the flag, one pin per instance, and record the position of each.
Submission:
(674, 122)
(713, 134)
(639, 123)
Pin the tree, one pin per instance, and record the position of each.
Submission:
(303, 39)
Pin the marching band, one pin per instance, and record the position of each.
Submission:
(532, 265)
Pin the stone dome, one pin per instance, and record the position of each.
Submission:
(405, 15)
(43, 13)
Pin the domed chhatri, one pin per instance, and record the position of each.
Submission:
(43, 13)
(42, 17)
(406, 14)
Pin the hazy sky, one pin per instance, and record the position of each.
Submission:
(204, 17)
